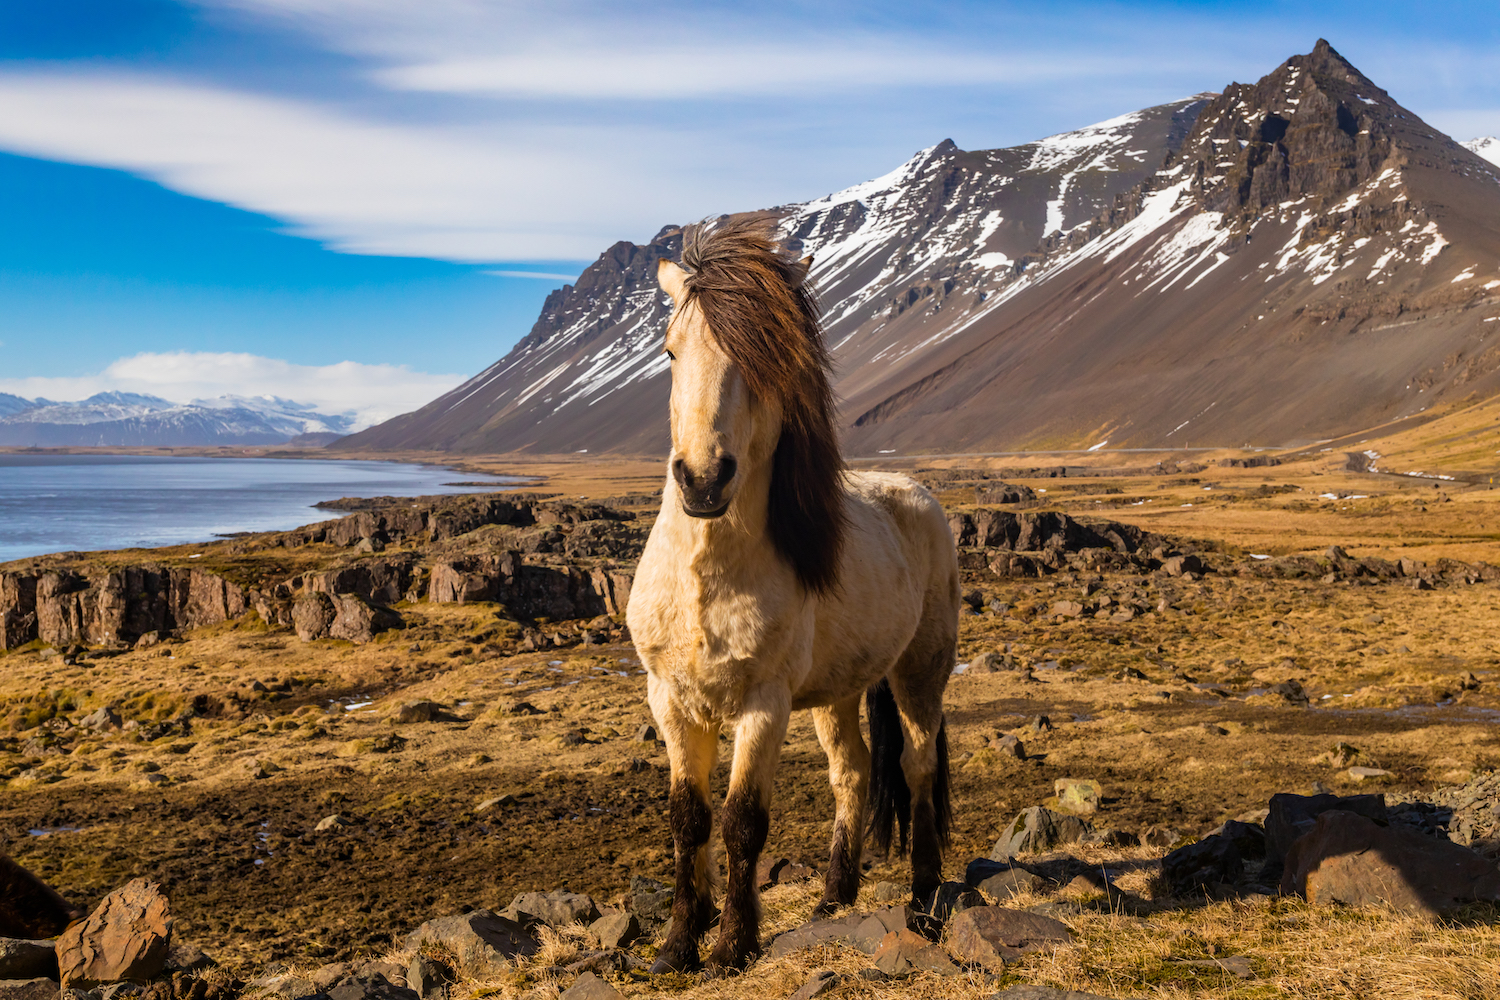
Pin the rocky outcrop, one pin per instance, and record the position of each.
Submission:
(1035, 543)
(558, 592)
(64, 607)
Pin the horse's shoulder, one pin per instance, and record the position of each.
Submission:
(888, 486)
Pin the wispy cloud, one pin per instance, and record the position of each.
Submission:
(547, 276)
(371, 392)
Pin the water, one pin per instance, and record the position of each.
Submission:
(56, 503)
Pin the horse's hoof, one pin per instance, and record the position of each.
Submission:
(825, 908)
(730, 962)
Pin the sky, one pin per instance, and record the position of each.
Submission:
(360, 203)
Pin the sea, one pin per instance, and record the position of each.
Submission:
(57, 503)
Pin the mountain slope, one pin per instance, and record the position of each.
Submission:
(1290, 260)
(1487, 147)
(122, 419)
(591, 375)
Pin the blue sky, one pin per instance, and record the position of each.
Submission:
(312, 197)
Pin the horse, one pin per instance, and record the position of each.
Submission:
(775, 580)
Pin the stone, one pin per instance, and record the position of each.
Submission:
(1291, 816)
(1009, 884)
(903, 952)
(23, 959)
(389, 971)
(951, 898)
(505, 801)
(651, 901)
(1079, 796)
(188, 958)
(892, 892)
(816, 932)
(29, 989)
(369, 986)
(427, 978)
(1342, 754)
(148, 640)
(982, 868)
(1249, 838)
(1212, 860)
(359, 621)
(126, 937)
(870, 931)
(1066, 609)
(330, 823)
(312, 615)
(987, 663)
(29, 907)
(1366, 773)
(1160, 835)
(645, 734)
(331, 973)
(590, 987)
(1349, 858)
(525, 708)
(616, 929)
(421, 711)
(480, 940)
(100, 720)
(558, 908)
(1037, 829)
(1007, 745)
(993, 935)
(1182, 565)
(820, 982)
(292, 987)
(767, 869)
(1236, 965)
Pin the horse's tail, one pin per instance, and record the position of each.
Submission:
(890, 798)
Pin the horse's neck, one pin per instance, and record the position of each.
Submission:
(732, 545)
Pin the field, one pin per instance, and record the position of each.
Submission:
(1169, 707)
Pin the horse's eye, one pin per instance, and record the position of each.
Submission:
(671, 356)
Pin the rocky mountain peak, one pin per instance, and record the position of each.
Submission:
(1315, 127)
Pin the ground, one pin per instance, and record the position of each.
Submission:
(223, 814)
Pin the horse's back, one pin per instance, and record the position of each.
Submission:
(911, 513)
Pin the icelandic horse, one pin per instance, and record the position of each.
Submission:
(775, 580)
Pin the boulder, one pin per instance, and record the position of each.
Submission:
(816, 932)
(870, 931)
(951, 898)
(426, 977)
(1212, 860)
(650, 900)
(480, 940)
(359, 621)
(1079, 796)
(100, 720)
(29, 907)
(993, 935)
(23, 959)
(370, 986)
(29, 989)
(1349, 858)
(422, 711)
(1009, 884)
(590, 987)
(1292, 816)
(127, 937)
(312, 615)
(903, 952)
(558, 908)
(616, 929)
(1037, 829)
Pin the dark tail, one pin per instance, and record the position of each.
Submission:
(890, 798)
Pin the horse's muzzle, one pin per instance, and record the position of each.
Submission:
(703, 494)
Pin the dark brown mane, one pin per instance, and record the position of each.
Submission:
(763, 315)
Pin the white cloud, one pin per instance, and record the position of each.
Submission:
(547, 275)
(371, 392)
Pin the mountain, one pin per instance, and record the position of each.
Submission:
(1487, 147)
(122, 419)
(1280, 263)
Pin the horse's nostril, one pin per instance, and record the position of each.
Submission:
(727, 465)
(680, 472)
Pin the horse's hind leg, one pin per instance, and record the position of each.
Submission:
(691, 750)
(917, 681)
(849, 774)
(747, 815)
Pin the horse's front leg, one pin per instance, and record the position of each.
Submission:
(747, 815)
(849, 774)
(691, 749)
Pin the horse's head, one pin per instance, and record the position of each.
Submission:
(751, 401)
(720, 429)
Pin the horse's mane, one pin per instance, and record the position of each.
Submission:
(763, 315)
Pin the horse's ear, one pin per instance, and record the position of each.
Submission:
(673, 280)
(799, 271)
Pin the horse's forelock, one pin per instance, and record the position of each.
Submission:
(763, 315)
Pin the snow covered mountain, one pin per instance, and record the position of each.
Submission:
(1487, 147)
(1284, 262)
(122, 419)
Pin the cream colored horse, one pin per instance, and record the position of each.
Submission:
(772, 581)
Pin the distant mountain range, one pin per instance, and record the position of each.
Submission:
(125, 419)
(1278, 264)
